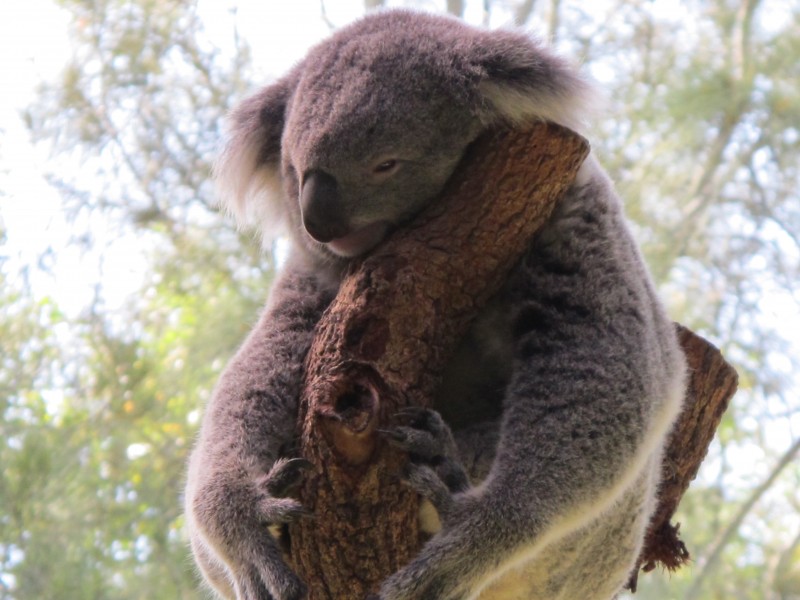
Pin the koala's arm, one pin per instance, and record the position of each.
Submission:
(239, 475)
(596, 385)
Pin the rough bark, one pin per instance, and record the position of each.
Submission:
(382, 345)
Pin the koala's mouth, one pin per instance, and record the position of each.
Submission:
(360, 241)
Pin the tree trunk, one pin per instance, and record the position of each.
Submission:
(384, 341)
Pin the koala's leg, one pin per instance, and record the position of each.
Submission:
(239, 477)
(214, 572)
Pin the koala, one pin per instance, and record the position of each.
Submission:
(541, 456)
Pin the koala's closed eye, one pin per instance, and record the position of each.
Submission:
(386, 167)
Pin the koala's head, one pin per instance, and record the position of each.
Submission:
(368, 127)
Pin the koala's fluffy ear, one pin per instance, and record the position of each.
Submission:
(247, 171)
(521, 81)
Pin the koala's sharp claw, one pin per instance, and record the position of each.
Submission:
(420, 443)
(394, 435)
(418, 417)
(301, 463)
(282, 510)
(424, 419)
(284, 476)
(410, 411)
(306, 513)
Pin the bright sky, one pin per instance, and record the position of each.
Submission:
(34, 45)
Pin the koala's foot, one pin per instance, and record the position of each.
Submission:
(256, 571)
(230, 526)
(274, 487)
(434, 470)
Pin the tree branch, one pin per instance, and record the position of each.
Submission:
(712, 384)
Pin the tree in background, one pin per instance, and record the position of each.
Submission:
(98, 412)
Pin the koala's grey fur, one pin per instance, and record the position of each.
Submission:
(574, 368)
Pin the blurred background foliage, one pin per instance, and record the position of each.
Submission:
(99, 406)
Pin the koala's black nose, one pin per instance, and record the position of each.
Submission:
(321, 207)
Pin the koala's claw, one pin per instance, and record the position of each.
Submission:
(279, 511)
(275, 505)
(394, 436)
(284, 476)
(420, 444)
(429, 442)
(427, 435)
(412, 411)
(422, 418)
(285, 586)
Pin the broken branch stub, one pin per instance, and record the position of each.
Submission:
(711, 385)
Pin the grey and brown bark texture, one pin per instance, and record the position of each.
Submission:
(384, 341)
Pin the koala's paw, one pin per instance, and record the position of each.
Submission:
(230, 525)
(257, 572)
(275, 505)
(268, 577)
(427, 438)
(434, 469)
(283, 585)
